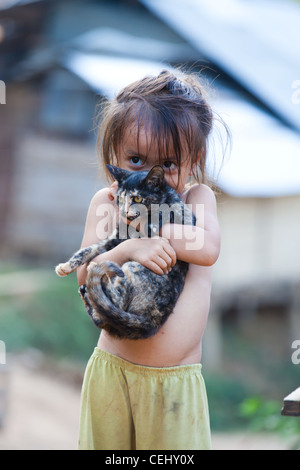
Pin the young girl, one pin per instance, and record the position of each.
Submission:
(149, 393)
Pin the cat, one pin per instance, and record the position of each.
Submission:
(131, 301)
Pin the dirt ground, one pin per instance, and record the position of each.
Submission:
(42, 412)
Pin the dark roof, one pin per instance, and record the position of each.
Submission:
(256, 43)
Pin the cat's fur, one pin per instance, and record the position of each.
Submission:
(132, 301)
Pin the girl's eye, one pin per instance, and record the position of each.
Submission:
(136, 161)
(169, 165)
(137, 198)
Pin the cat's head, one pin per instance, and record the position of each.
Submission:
(136, 188)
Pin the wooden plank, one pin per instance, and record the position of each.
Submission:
(291, 404)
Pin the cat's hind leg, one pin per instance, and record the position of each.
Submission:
(99, 322)
(110, 291)
(83, 294)
(82, 256)
(105, 284)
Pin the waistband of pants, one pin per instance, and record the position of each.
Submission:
(185, 369)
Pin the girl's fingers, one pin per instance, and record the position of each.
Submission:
(166, 253)
(155, 268)
(161, 263)
(166, 262)
(170, 252)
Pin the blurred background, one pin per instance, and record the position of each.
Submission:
(58, 59)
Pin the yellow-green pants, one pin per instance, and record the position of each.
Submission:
(125, 406)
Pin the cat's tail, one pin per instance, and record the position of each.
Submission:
(124, 324)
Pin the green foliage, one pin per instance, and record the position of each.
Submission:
(52, 320)
(265, 416)
(224, 395)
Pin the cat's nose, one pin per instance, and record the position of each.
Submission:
(132, 214)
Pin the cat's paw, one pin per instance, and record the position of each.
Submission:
(63, 269)
(91, 266)
(109, 268)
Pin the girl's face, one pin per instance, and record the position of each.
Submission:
(142, 154)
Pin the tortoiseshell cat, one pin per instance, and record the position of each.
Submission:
(132, 301)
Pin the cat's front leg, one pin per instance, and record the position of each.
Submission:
(80, 257)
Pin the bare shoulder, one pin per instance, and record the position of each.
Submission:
(204, 206)
(99, 201)
(101, 206)
(201, 193)
(100, 217)
(100, 197)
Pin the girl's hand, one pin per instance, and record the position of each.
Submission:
(154, 253)
(113, 190)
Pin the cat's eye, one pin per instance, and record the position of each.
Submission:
(119, 200)
(137, 199)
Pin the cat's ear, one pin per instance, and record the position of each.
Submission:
(155, 176)
(119, 174)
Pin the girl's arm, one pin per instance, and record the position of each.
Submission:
(198, 244)
(95, 230)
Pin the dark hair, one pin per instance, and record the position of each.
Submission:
(173, 106)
